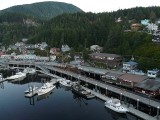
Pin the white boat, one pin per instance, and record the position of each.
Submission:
(29, 70)
(30, 89)
(66, 83)
(47, 87)
(17, 77)
(115, 105)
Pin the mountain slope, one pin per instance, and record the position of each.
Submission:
(43, 10)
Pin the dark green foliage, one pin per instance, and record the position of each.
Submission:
(43, 10)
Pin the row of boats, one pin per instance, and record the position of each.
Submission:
(21, 75)
(113, 104)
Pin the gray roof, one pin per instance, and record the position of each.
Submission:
(149, 84)
(131, 63)
(105, 55)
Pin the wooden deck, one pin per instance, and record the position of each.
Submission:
(129, 94)
(131, 109)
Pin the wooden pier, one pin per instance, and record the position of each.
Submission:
(35, 92)
(130, 108)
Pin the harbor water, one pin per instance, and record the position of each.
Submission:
(60, 104)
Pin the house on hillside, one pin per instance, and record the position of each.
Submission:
(129, 66)
(135, 27)
(152, 27)
(129, 80)
(55, 51)
(65, 48)
(156, 38)
(96, 48)
(153, 73)
(110, 60)
(145, 22)
(149, 87)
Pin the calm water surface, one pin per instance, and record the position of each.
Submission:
(61, 104)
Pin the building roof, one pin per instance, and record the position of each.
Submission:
(149, 84)
(113, 74)
(131, 63)
(105, 55)
(132, 78)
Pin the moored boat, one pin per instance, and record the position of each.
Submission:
(66, 83)
(17, 77)
(47, 87)
(115, 105)
(84, 93)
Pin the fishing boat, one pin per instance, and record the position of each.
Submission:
(115, 105)
(82, 92)
(17, 77)
(66, 83)
(29, 70)
(46, 88)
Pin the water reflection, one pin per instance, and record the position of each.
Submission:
(44, 96)
(80, 100)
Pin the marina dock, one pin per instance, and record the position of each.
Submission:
(35, 92)
(131, 109)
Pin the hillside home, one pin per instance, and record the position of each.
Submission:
(157, 21)
(110, 60)
(152, 27)
(129, 80)
(129, 66)
(55, 51)
(135, 27)
(149, 87)
(118, 20)
(145, 22)
(96, 48)
(153, 73)
(65, 48)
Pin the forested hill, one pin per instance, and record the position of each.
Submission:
(43, 10)
(81, 30)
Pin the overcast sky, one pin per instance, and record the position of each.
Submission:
(90, 5)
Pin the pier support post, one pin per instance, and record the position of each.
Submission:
(106, 91)
(96, 87)
(137, 103)
(121, 97)
(157, 112)
(71, 77)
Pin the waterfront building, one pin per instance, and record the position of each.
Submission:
(149, 87)
(129, 66)
(135, 27)
(129, 80)
(153, 73)
(110, 60)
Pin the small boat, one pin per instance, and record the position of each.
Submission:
(31, 89)
(47, 87)
(84, 93)
(66, 83)
(29, 70)
(17, 77)
(115, 105)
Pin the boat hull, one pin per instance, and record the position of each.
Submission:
(42, 92)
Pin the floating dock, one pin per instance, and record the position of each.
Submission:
(35, 92)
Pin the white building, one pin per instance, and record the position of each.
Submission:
(152, 27)
(96, 48)
(153, 73)
(65, 48)
(129, 66)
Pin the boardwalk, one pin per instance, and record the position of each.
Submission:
(130, 108)
(117, 90)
